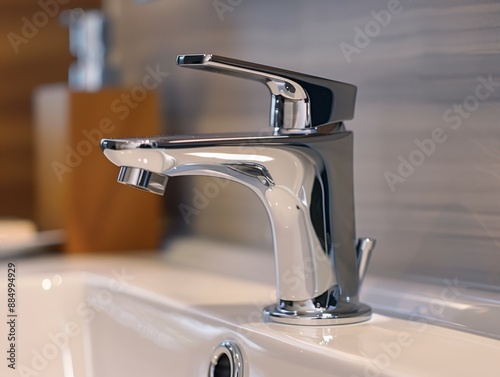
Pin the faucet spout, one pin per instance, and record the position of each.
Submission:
(143, 179)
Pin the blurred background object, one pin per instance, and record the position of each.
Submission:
(73, 190)
(61, 125)
(34, 51)
(76, 191)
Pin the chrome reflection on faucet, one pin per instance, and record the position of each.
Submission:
(302, 171)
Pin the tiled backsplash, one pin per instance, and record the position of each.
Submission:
(427, 132)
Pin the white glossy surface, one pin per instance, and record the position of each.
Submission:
(164, 315)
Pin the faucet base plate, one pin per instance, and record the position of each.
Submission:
(318, 318)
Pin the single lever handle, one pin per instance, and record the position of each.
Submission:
(299, 103)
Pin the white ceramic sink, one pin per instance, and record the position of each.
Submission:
(165, 315)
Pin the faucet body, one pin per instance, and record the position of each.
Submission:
(305, 181)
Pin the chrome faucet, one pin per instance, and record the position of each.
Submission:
(302, 170)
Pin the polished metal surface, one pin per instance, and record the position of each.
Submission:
(88, 43)
(227, 350)
(143, 179)
(305, 182)
(305, 314)
(364, 249)
(308, 312)
(299, 102)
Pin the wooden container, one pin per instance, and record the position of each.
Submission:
(76, 184)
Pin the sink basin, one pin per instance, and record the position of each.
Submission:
(165, 315)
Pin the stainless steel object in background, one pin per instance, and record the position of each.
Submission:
(89, 41)
(301, 167)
